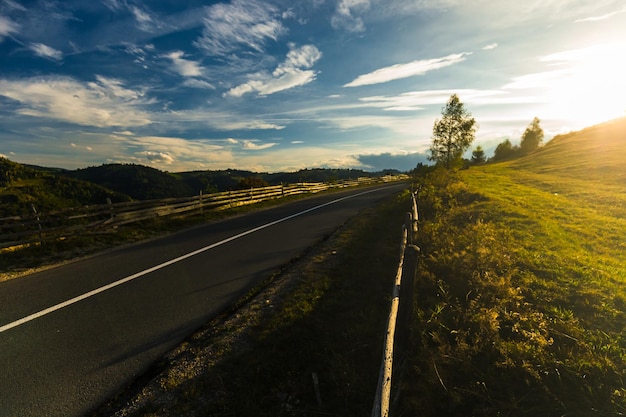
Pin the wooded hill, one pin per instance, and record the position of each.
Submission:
(23, 186)
(50, 188)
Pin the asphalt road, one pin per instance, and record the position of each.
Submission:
(72, 336)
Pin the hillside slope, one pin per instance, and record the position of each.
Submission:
(521, 299)
(597, 153)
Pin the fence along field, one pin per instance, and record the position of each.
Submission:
(36, 228)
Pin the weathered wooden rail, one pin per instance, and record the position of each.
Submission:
(400, 311)
(38, 227)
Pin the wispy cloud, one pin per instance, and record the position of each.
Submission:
(182, 66)
(249, 24)
(7, 27)
(490, 46)
(103, 103)
(601, 17)
(399, 71)
(145, 20)
(293, 72)
(196, 83)
(46, 51)
(347, 17)
(217, 120)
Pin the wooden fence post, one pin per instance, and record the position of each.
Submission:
(111, 212)
(32, 206)
(409, 228)
(407, 296)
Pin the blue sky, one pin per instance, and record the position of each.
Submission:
(280, 85)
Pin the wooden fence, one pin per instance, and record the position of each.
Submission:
(37, 227)
(400, 311)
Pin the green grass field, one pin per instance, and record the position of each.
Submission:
(521, 304)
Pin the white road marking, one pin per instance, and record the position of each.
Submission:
(165, 264)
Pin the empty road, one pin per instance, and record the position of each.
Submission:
(72, 336)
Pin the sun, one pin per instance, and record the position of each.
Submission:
(591, 86)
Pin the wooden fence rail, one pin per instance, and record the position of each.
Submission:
(399, 312)
(39, 227)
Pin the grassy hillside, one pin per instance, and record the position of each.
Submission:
(521, 306)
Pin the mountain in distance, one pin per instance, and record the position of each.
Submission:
(145, 183)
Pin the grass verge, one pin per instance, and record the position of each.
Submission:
(521, 305)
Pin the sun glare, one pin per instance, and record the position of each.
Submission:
(591, 85)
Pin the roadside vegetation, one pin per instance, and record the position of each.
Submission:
(520, 299)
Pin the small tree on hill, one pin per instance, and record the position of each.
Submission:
(478, 155)
(504, 150)
(452, 134)
(532, 137)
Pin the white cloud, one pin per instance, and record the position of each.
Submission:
(252, 146)
(46, 51)
(490, 46)
(399, 71)
(176, 153)
(346, 16)
(293, 72)
(247, 23)
(7, 27)
(157, 157)
(103, 103)
(182, 66)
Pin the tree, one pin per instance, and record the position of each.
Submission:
(252, 182)
(504, 150)
(452, 134)
(532, 137)
(478, 156)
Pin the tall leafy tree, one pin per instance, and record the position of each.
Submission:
(532, 137)
(452, 134)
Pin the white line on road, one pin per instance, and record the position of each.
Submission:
(165, 264)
